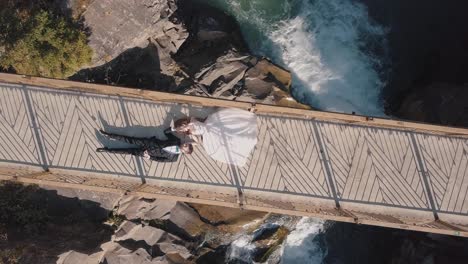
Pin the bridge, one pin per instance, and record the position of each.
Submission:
(332, 166)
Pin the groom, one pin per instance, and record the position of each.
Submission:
(151, 148)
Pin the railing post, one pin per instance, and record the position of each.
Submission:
(424, 175)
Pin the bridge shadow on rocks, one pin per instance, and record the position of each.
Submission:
(37, 225)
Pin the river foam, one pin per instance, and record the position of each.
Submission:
(303, 244)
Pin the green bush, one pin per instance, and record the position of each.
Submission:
(41, 44)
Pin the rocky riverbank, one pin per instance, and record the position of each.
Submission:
(158, 231)
(179, 46)
(70, 226)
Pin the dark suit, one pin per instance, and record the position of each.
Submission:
(152, 145)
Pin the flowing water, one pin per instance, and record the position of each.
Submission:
(303, 244)
(334, 50)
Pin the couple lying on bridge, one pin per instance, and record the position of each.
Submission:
(228, 135)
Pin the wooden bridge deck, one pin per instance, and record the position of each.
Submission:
(339, 167)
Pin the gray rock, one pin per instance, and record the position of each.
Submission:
(174, 250)
(118, 25)
(227, 89)
(258, 88)
(133, 208)
(114, 253)
(226, 71)
(184, 220)
(73, 257)
(138, 232)
(220, 78)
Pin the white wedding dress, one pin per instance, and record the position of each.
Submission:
(229, 135)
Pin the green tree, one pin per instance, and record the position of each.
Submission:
(42, 44)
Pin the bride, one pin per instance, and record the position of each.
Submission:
(228, 135)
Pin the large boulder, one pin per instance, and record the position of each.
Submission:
(185, 221)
